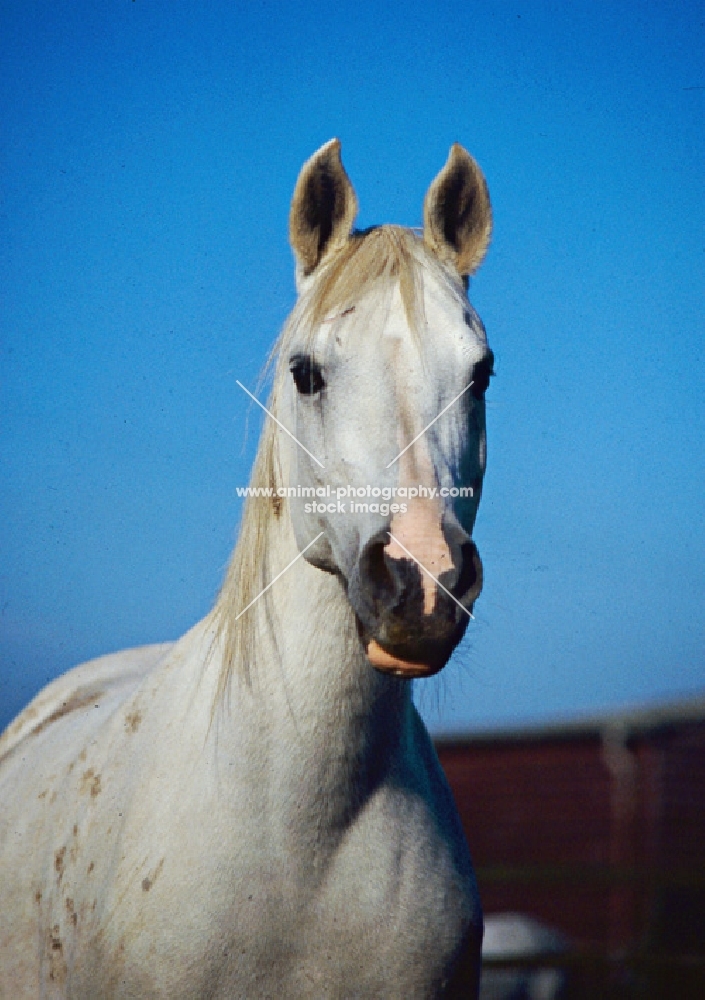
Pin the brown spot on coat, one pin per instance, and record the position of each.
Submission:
(132, 721)
(72, 912)
(59, 861)
(57, 962)
(91, 782)
(148, 882)
(81, 698)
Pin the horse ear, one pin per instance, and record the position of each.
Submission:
(323, 208)
(457, 213)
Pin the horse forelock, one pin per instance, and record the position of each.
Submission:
(371, 265)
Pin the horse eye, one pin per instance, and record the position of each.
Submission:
(307, 374)
(481, 374)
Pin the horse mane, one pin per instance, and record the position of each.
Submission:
(374, 260)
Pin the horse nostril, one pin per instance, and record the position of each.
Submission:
(378, 573)
(470, 577)
(375, 562)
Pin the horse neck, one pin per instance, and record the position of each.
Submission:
(332, 719)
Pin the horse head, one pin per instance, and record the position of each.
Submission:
(383, 368)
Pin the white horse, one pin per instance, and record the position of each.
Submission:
(256, 811)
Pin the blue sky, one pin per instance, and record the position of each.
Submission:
(149, 152)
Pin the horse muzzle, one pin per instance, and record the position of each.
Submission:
(410, 619)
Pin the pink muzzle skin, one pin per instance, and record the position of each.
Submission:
(390, 664)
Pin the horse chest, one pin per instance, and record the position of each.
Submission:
(384, 914)
(369, 942)
(387, 914)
